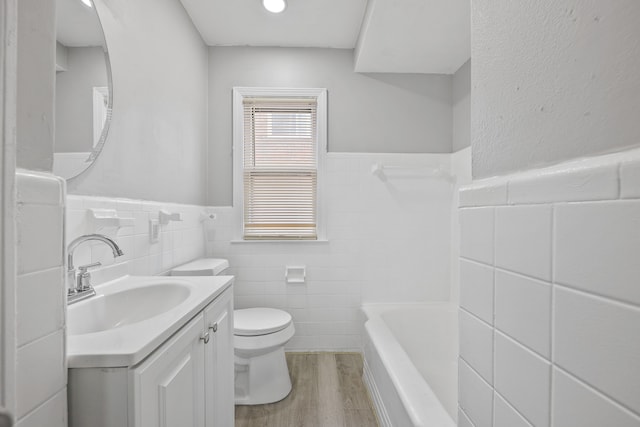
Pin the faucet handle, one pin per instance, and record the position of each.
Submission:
(83, 268)
(83, 279)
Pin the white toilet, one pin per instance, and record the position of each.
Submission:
(260, 334)
(261, 374)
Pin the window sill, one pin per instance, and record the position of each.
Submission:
(298, 242)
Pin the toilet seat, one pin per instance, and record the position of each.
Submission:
(253, 322)
(248, 346)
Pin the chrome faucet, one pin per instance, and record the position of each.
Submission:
(81, 279)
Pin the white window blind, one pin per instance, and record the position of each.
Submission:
(280, 168)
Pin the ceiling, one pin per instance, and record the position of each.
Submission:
(305, 23)
(77, 25)
(402, 36)
(418, 36)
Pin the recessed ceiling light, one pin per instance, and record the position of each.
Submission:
(87, 3)
(274, 6)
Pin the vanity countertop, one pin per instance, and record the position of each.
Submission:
(130, 317)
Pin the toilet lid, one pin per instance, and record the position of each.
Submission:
(259, 321)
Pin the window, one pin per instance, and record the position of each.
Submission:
(279, 135)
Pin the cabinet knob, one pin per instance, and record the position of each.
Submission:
(205, 337)
(214, 327)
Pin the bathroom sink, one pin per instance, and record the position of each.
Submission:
(131, 316)
(118, 309)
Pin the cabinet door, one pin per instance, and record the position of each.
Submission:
(219, 362)
(168, 388)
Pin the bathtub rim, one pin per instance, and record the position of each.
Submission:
(413, 390)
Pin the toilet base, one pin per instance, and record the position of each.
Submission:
(261, 379)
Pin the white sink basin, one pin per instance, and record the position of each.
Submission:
(125, 307)
(130, 317)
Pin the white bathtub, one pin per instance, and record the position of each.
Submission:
(410, 363)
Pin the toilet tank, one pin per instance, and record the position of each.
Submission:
(202, 267)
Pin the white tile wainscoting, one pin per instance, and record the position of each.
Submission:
(41, 368)
(550, 302)
(388, 241)
(178, 243)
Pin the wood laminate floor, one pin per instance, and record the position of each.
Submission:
(327, 392)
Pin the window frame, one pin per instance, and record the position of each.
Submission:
(239, 93)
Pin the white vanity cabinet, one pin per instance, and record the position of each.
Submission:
(186, 381)
(169, 387)
(219, 367)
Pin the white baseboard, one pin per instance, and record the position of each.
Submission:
(381, 410)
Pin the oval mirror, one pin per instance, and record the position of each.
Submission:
(83, 87)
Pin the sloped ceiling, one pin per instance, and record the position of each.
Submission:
(402, 36)
(418, 36)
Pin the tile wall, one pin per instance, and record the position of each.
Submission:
(550, 296)
(178, 243)
(387, 241)
(41, 370)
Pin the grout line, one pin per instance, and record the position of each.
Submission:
(598, 297)
(476, 317)
(467, 362)
(493, 409)
(523, 346)
(514, 339)
(42, 271)
(41, 404)
(491, 387)
(617, 198)
(473, 261)
(599, 392)
(552, 313)
(563, 203)
(493, 319)
(476, 372)
(466, 416)
(605, 298)
(513, 408)
(62, 328)
(523, 275)
(493, 248)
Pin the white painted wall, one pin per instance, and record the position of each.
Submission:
(86, 69)
(553, 80)
(367, 112)
(36, 74)
(461, 104)
(61, 57)
(156, 149)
